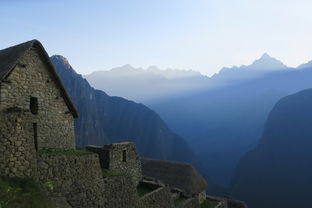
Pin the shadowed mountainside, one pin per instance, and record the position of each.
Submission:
(277, 173)
(104, 119)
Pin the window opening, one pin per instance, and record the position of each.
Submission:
(33, 105)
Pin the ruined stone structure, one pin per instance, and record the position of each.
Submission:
(122, 157)
(37, 141)
(177, 175)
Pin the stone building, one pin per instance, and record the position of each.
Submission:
(180, 176)
(121, 157)
(35, 111)
(36, 118)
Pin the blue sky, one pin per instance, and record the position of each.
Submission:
(202, 35)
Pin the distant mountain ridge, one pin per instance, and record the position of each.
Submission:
(166, 73)
(146, 84)
(305, 65)
(259, 68)
(265, 62)
(175, 73)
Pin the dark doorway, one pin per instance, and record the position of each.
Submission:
(35, 135)
(124, 156)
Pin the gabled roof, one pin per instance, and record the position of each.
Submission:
(9, 58)
(175, 174)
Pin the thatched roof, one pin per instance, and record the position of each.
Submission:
(177, 175)
(9, 58)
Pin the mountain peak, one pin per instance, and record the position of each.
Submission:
(126, 66)
(153, 68)
(266, 56)
(267, 62)
(125, 69)
(60, 60)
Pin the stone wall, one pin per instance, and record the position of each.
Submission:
(130, 165)
(120, 192)
(102, 153)
(32, 78)
(189, 203)
(78, 178)
(17, 152)
(159, 198)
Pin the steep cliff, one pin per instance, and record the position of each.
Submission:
(104, 119)
(277, 173)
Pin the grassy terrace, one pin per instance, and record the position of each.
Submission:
(21, 193)
(209, 204)
(63, 152)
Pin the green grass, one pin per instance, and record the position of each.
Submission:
(63, 152)
(21, 193)
(108, 173)
(209, 204)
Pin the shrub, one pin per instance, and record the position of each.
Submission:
(21, 193)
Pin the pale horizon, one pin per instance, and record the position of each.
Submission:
(196, 35)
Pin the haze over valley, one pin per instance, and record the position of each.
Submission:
(224, 118)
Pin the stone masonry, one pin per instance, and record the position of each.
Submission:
(122, 157)
(17, 152)
(159, 198)
(120, 191)
(76, 177)
(31, 78)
